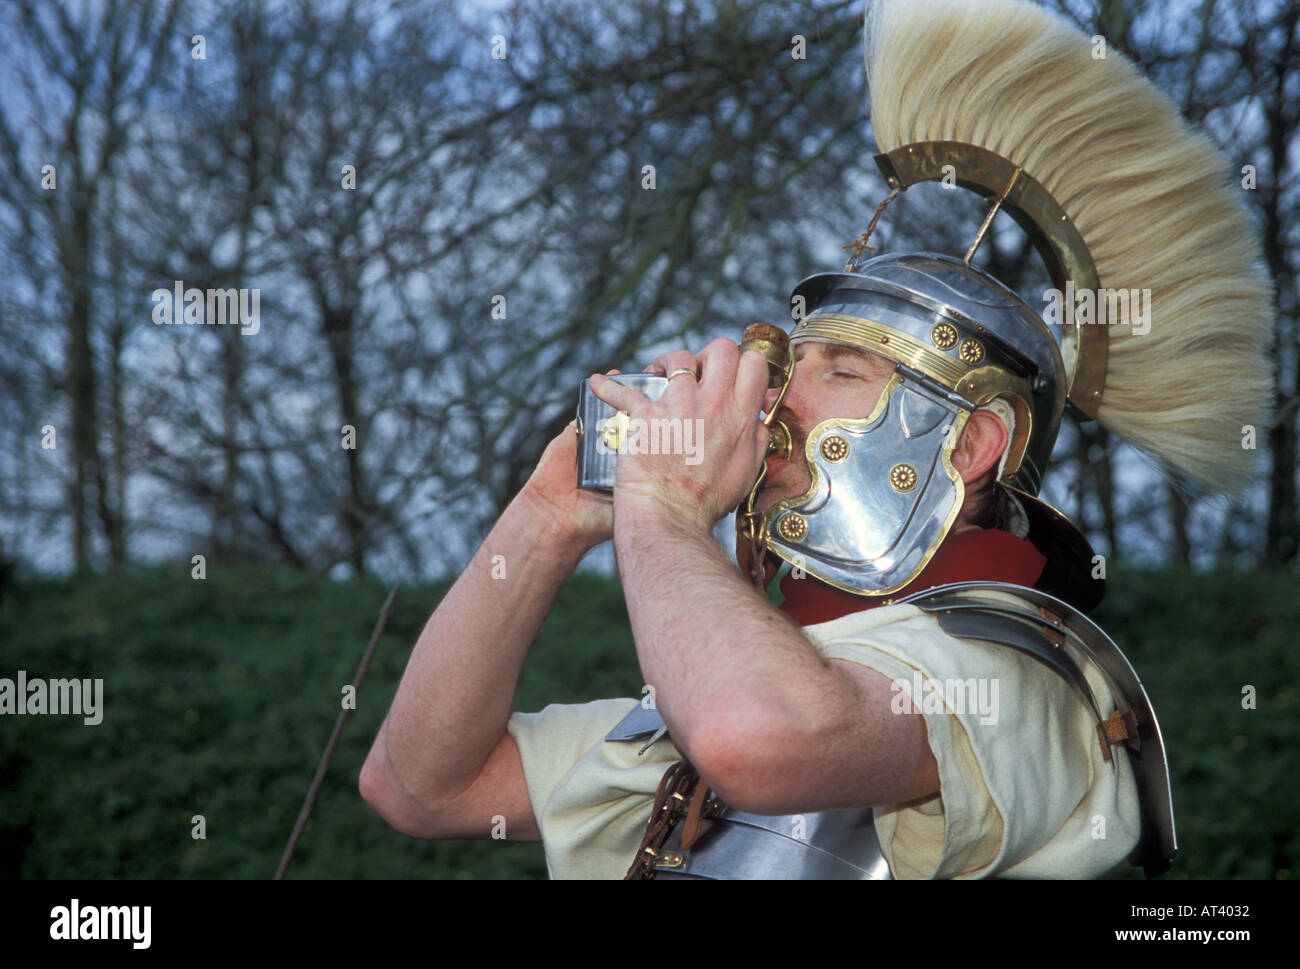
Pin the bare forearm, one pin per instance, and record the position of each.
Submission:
(455, 696)
(709, 644)
(772, 726)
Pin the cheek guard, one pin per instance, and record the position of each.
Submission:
(884, 492)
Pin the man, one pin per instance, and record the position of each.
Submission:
(757, 682)
(967, 732)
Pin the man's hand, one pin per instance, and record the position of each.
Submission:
(551, 494)
(718, 416)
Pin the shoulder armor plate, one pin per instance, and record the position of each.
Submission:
(1063, 638)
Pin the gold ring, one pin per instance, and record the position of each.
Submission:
(679, 371)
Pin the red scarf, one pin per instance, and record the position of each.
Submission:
(984, 554)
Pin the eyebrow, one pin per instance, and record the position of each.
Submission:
(836, 351)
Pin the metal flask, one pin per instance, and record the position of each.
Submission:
(602, 431)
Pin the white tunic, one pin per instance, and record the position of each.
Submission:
(1024, 789)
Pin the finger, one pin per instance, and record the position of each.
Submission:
(666, 363)
(760, 445)
(617, 395)
(769, 399)
(718, 362)
(751, 380)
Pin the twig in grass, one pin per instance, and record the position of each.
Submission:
(310, 800)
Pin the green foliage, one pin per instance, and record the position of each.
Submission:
(1196, 641)
(220, 695)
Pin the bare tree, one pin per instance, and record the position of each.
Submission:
(454, 214)
(84, 84)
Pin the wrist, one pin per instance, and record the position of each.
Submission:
(649, 515)
(532, 520)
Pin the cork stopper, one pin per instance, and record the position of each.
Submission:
(765, 331)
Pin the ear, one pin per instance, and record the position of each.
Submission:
(982, 442)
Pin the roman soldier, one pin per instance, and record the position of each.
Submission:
(930, 700)
(1163, 317)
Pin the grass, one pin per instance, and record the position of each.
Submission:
(219, 696)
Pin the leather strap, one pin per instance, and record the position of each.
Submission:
(694, 815)
(675, 791)
(1056, 631)
(1116, 728)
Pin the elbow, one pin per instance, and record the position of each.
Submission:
(372, 788)
(398, 809)
(745, 758)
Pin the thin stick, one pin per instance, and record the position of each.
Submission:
(310, 800)
(988, 219)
